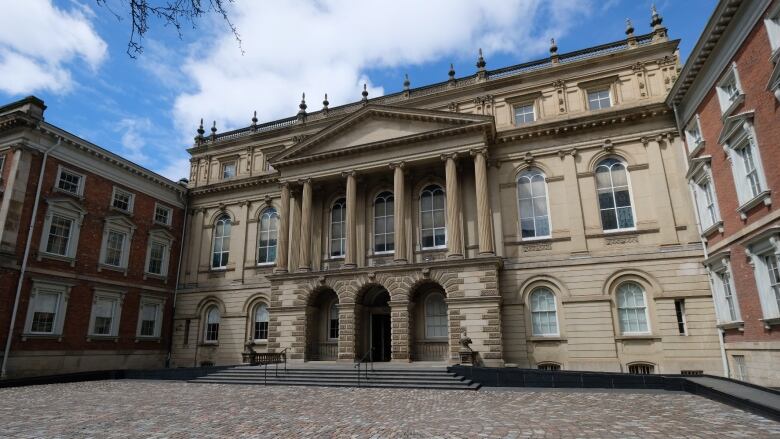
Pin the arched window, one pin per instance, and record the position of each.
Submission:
(641, 368)
(532, 201)
(221, 252)
(212, 324)
(632, 308)
(548, 366)
(338, 237)
(435, 316)
(433, 228)
(384, 229)
(266, 236)
(333, 320)
(261, 322)
(544, 319)
(614, 195)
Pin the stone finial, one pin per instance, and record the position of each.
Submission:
(201, 131)
(325, 103)
(481, 61)
(656, 18)
(302, 107)
(629, 28)
(214, 131)
(406, 81)
(451, 73)
(553, 51)
(254, 119)
(365, 92)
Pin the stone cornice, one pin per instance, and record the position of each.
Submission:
(235, 184)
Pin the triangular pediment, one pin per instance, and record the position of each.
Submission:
(373, 125)
(732, 125)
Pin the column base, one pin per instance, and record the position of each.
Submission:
(304, 269)
(455, 256)
(350, 265)
(400, 261)
(280, 270)
(487, 254)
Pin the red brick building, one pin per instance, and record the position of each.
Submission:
(99, 269)
(727, 102)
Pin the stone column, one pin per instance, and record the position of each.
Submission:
(304, 259)
(283, 235)
(350, 259)
(454, 241)
(484, 221)
(400, 325)
(573, 201)
(662, 202)
(399, 220)
(196, 239)
(347, 348)
(9, 189)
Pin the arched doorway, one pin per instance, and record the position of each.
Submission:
(429, 332)
(374, 313)
(322, 326)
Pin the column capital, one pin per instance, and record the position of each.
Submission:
(570, 152)
(284, 184)
(477, 151)
(449, 155)
(349, 173)
(304, 180)
(393, 165)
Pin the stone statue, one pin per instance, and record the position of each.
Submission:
(465, 341)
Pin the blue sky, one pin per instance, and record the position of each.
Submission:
(71, 53)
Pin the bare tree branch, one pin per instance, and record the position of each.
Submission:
(172, 13)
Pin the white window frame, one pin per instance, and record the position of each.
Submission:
(623, 331)
(255, 321)
(48, 287)
(334, 321)
(719, 270)
(208, 310)
(342, 240)
(595, 90)
(150, 300)
(703, 189)
(426, 303)
(117, 225)
(166, 239)
(768, 288)
(527, 104)
(388, 218)
(118, 298)
(64, 208)
(273, 216)
(529, 174)
(2, 163)
(772, 23)
(534, 312)
(618, 229)
(214, 237)
(693, 135)
(165, 208)
(130, 199)
(79, 190)
(734, 142)
(446, 220)
(223, 166)
(728, 101)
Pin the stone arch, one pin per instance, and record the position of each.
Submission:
(323, 322)
(531, 165)
(430, 321)
(224, 210)
(528, 285)
(208, 301)
(559, 292)
(649, 285)
(446, 279)
(617, 153)
(253, 299)
(262, 207)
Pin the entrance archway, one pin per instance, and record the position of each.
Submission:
(322, 326)
(374, 314)
(429, 332)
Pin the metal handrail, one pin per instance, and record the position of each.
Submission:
(284, 355)
(367, 358)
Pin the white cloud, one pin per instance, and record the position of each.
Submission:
(327, 46)
(133, 137)
(38, 41)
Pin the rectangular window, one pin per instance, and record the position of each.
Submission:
(729, 90)
(598, 99)
(149, 320)
(740, 367)
(774, 278)
(156, 257)
(524, 114)
(693, 134)
(705, 202)
(728, 296)
(773, 28)
(228, 170)
(114, 247)
(187, 324)
(59, 235)
(641, 369)
(122, 200)
(2, 164)
(104, 313)
(45, 306)
(679, 309)
(162, 215)
(70, 182)
(751, 173)
(261, 331)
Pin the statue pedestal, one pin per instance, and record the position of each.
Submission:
(467, 358)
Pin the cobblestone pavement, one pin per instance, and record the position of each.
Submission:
(166, 409)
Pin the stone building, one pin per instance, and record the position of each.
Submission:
(727, 100)
(539, 209)
(95, 239)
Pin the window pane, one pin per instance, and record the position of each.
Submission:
(45, 310)
(440, 237)
(542, 226)
(622, 198)
(605, 200)
(625, 217)
(438, 200)
(528, 228)
(609, 219)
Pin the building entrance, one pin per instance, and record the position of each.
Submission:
(375, 332)
(380, 337)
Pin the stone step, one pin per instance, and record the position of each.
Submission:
(337, 374)
(352, 377)
(322, 383)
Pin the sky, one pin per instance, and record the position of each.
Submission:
(72, 54)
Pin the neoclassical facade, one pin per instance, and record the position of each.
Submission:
(539, 209)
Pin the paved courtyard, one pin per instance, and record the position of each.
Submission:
(160, 409)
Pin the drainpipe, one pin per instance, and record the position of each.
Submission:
(20, 282)
(178, 276)
(721, 332)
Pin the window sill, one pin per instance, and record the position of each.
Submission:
(768, 323)
(536, 239)
(102, 267)
(265, 264)
(709, 231)
(56, 257)
(732, 325)
(732, 106)
(697, 149)
(627, 230)
(639, 337)
(542, 339)
(210, 344)
(95, 337)
(28, 336)
(79, 197)
(260, 342)
(167, 226)
(142, 338)
(432, 249)
(161, 277)
(122, 211)
(763, 197)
